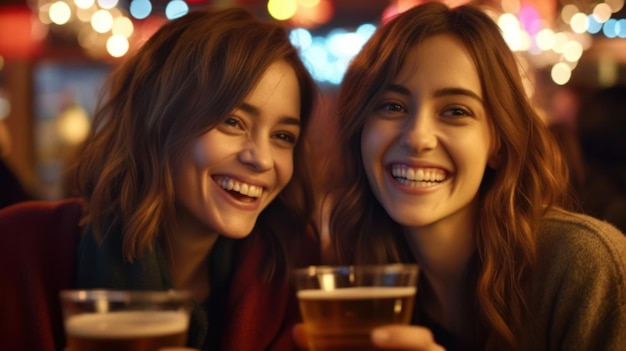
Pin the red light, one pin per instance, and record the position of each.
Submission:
(19, 30)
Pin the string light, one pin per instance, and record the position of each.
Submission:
(546, 41)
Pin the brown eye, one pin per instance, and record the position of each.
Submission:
(390, 109)
(393, 107)
(287, 137)
(233, 122)
(456, 111)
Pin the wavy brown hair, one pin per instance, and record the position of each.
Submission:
(181, 83)
(530, 179)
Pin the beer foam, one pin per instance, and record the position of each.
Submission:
(127, 324)
(354, 293)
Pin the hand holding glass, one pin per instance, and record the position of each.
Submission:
(341, 305)
(125, 320)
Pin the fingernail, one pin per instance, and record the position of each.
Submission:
(380, 336)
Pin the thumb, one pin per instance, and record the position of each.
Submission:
(299, 335)
(404, 337)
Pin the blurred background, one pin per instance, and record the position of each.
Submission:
(56, 54)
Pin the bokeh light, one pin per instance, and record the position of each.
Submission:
(122, 26)
(282, 9)
(140, 9)
(84, 4)
(117, 45)
(60, 13)
(579, 23)
(102, 21)
(602, 12)
(175, 9)
(561, 73)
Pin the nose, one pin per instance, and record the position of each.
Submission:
(419, 133)
(257, 154)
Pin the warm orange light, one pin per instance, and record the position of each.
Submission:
(312, 14)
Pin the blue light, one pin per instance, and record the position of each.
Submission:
(140, 9)
(620, 28)
(316, 58)
(594, 26)
(175, 9)
(609, 28)
(366, 30)
(301, 38)
(327, 57)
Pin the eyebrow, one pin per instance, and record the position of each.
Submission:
(400, 89)
(255, 111)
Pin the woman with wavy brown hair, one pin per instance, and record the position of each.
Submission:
(448, 165)
(194, 179)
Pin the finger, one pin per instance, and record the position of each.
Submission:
(403, 337)
(299, 335)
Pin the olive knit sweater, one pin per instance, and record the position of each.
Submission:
(577, 293)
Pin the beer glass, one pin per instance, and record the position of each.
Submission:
(98, 320)
(340, 305)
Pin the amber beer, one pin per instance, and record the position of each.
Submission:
(342, 318)
(126, 330)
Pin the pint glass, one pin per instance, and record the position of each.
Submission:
(98, 320)
(340, 305)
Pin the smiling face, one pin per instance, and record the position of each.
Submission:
(427, 143)
(229, 174)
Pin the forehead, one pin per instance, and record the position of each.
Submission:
(278, 90)
(278, 73)
(442, 60)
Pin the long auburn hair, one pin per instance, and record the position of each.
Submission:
(530, 179)
(181, 83)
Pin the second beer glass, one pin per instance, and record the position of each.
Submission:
(340, 305)
(99, 320)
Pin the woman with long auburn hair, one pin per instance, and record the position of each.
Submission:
(448, 165)
(194, 178)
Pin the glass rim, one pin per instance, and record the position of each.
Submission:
(84, 295)
(366, 268)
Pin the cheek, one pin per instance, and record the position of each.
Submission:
(472, 153)
(284, 167)
(185, 164)
(204, 151)
(372, 146)
(185, 177)
(199, 155)
(369, 160)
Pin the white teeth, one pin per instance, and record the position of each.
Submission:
(418, 177)
(410, 174)
(242, 188)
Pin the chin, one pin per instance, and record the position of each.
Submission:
(236, 236)
(411, 220)
(234, 233)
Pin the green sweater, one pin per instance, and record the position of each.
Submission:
(577, 294)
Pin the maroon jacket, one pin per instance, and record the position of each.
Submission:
(38, 246)
(38, 251)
